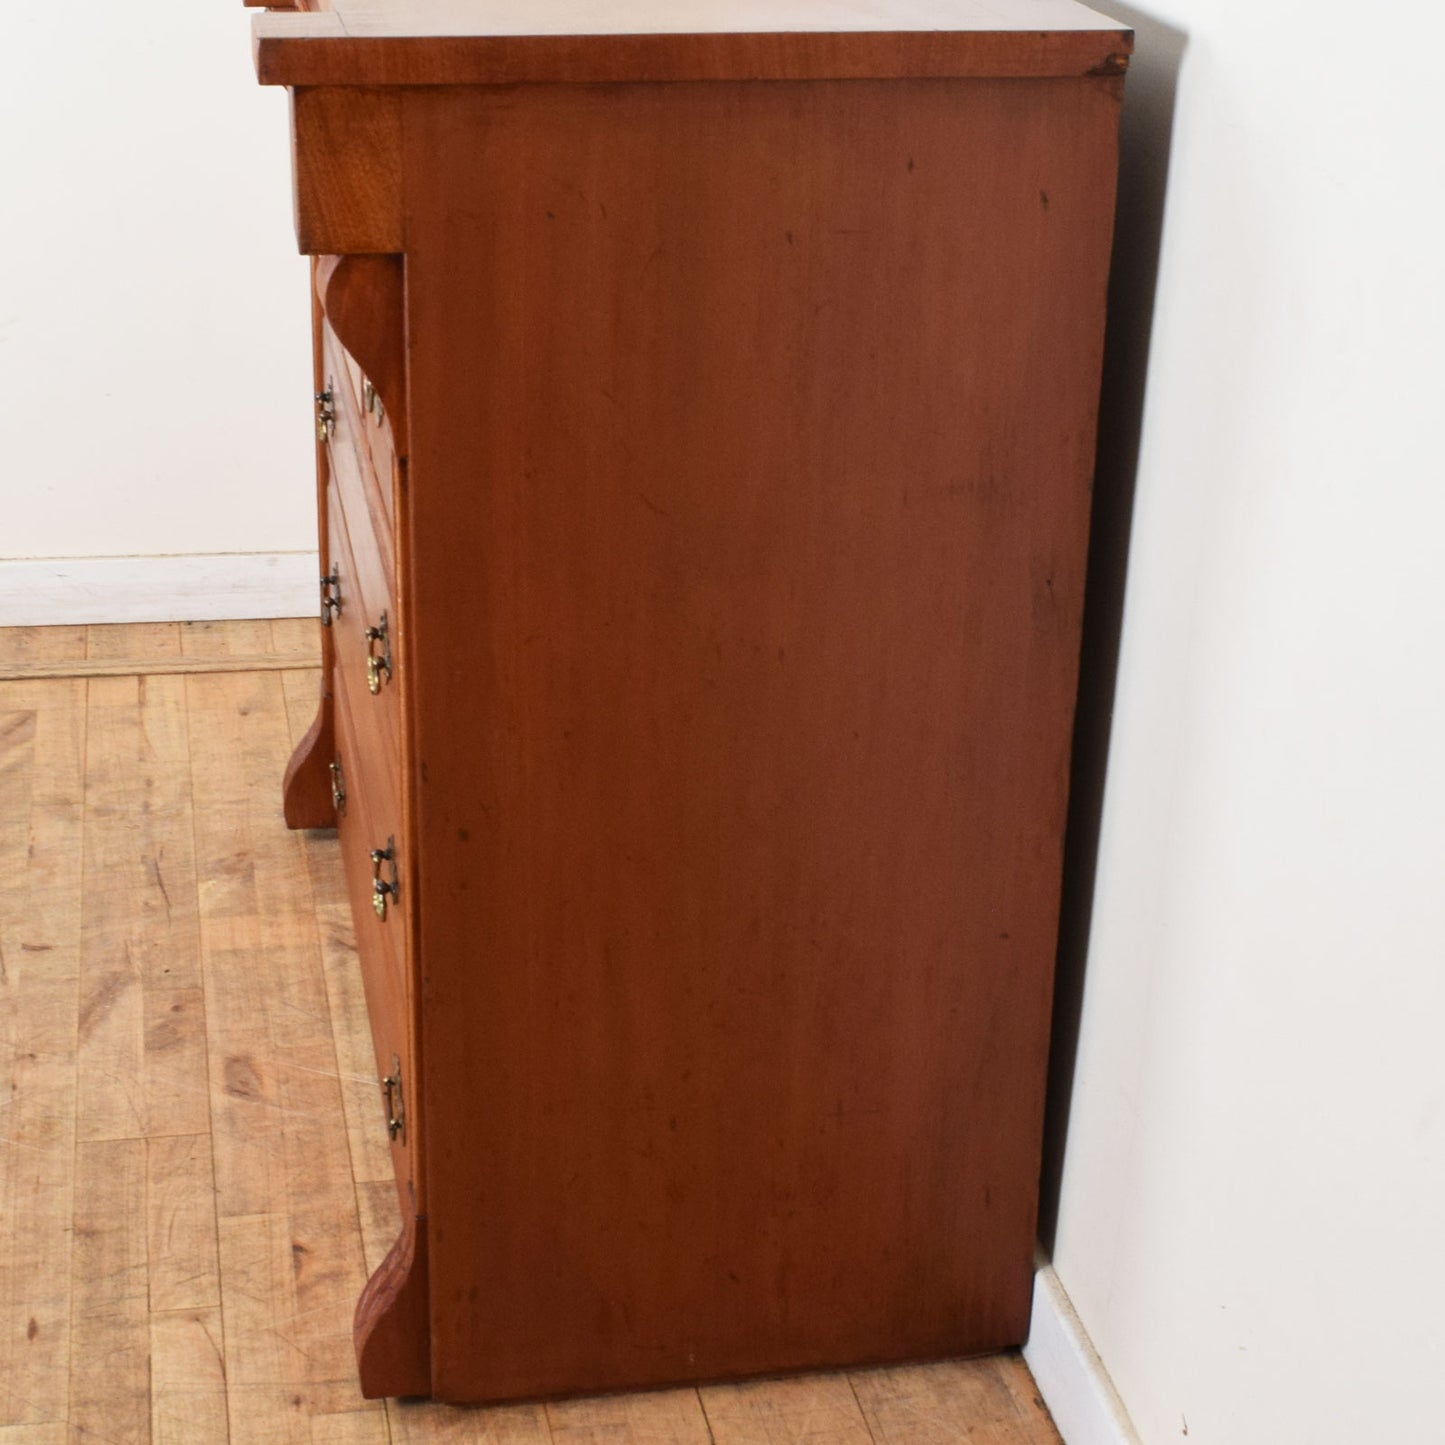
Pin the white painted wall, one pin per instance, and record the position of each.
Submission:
(1250, 1224)
(154, 317)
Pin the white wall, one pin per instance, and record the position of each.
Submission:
(1251, 1212)
(154, 316)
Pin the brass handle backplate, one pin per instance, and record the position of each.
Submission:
(378, 662)
(338, 787)
(384, 889)
(395, 1105)
(330, 596)
(325, 412)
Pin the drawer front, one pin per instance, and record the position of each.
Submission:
(367, 685)
(374, 428)
(370, 486)
(365, 630)
(368, 821)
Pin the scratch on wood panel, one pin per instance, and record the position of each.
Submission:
(10, 1142)
(16, 728)
(155, 865)
(35, 1408)
(324, 1073)
(153, 667)
(183, 1278)
(100, 1002)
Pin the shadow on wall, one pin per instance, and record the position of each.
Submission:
(1144, 140)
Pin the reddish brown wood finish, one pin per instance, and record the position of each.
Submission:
(347, 177)
(372, 819)
(744, 648)
(392, 1356)
(737, 577)
(285, 5)
(392, 1329)
(362, 298)
(361, 487)
(365, 44)
(306, 788)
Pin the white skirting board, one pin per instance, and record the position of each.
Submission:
(49, 591)
(1069, 1373)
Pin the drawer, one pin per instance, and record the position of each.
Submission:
(375, 428)
(367, 606)
(370, 818)
(366, 430)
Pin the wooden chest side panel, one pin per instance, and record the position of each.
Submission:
(752, 437)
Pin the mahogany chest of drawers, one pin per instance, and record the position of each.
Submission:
(706, 427)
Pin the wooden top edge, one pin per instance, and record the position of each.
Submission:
(454, 18)
(316, 48)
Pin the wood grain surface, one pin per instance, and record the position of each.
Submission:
(42, 789)
(306, 785)
(121, 1257)
(752, 434)
(347, 177)
(364, 303)
(592, 18)
(503, 42)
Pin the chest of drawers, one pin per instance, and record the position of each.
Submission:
(706, 425)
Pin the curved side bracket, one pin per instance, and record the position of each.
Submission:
(363, 299)
(306, 797)
(392, 1332)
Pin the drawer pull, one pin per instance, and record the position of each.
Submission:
(338, 787)
(371, 399)
(330, 596)
(384, 889)
(325, 413)
(378, 663)
(395, 1106)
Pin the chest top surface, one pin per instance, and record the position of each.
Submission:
(418, 42)
(736, 17)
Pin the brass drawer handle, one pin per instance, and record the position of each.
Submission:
(378, 664)
(338, 787)
(371, 400)
(330, 596)
(325, 412)
(395, 1105)
(384, 889)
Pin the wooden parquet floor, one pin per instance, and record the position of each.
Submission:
(193, 1174)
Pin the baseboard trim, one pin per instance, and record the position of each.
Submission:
(1069, 1373)
(223, 587)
